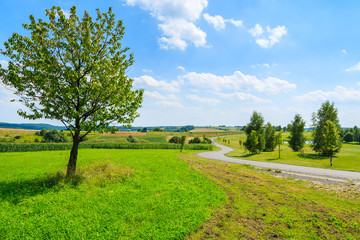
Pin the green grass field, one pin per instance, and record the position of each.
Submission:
(148, 194)
(262, 206)
(347, 159)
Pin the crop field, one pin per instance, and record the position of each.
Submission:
(347, 159)
(126, 194)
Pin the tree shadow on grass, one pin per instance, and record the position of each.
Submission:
(14, 192)
(312, 156)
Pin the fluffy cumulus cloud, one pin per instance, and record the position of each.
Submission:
(177, 19)
(172, 104)
(243, 97)
(219, 23)
(209, 101)
(268, 37)
(4, 64)
(238, 81)
(148, 81)
(356, 67)
(340, 93)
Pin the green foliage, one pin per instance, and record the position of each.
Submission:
(54, 136)
(127, 194)
(256, 124)
(174, 139)
(144, 129)
(331, 139)
(182, 143)
(269, 137)
(73, 70)
(252, 142)
(297, 128)
(195, 140)
(157, 129)
(132, 139)
(327, 112)
(349, 137)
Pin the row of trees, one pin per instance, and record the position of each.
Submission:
(326, 138)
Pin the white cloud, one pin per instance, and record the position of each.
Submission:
(356, 67)
(238, 81)
(147, 70)
(340, 93)
(344, 51)
(4, 64)
(267, 38)
(170, 104)
(265, 65)
(154, 94)
(149, 81)
(243, 97)
(177, 19)
(181, 68)
(209, 101)
(219, 23)
(66, 13)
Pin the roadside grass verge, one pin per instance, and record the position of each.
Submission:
(347, 159)
(262, 206)
(117, 194)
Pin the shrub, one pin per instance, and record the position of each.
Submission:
(54, 136)
(206, 140)
(195, 140)
(132, 139)
(17, 137)
(36, 140)
(174, 139)
(42, 132)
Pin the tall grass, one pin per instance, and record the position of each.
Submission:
(31, 147)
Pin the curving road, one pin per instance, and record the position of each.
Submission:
(311, 172)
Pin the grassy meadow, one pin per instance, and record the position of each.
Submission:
(164, 194)
(126, 194)
(347, 159)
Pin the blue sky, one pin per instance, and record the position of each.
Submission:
(211, 62)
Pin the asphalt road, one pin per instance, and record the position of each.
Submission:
(286, 168)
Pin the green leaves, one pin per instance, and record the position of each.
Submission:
(73, 70)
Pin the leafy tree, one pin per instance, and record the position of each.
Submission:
(195, 140)
(349, 137)
(73, 70)
(256, 124)
(297, 138)
(269, 137)
(206, 140)
(54, 136)
(356, 134)
(331, 139)
(157, 129)
(252, 142)
(182, 142)
(174, 139)
(327, 112)
(144, 129)
(132, 139)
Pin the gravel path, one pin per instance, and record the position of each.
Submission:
(286, 169)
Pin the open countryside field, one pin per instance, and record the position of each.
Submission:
(143, 194)
(153, 194)
(347, 159)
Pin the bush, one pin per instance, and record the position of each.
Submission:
(36, 140)
(54, 136)
(17, 137)
(42, 132)
(195, 140)
(132, 139)
(174, 139)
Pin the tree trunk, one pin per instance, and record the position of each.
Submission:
(331, 161)
(71, 167)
